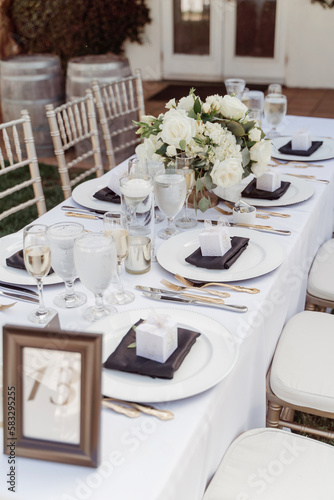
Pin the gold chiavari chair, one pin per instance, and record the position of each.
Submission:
(13, 156)
(73, 129)
(320, 285)
(119, 103)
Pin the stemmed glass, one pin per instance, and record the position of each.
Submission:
(37, 259)
(137, 166)
(154, 167)
(115, 224)
(95, 261)
(170, 192)
(61, 238)
(235, 86)
(136, 190)
(275, 106)
(185, 163)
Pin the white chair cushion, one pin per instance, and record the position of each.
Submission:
(321, 277)
(272, 464)
(302, 369)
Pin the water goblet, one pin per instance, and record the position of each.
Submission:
(115, 224)
(275, 106)
(274, 88)
(137, 166)
(235, 86)
(170, 192)
(136, 198)
(62, 236)
(37, 260)
(185, 163)
(95, 261)
(153, 168)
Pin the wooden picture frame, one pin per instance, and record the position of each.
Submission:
(52, 394)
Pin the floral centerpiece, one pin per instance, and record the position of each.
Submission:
(226, 146)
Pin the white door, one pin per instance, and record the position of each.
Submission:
(208, 40)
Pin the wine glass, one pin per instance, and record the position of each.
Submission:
(37, 259)
(235, 86)
(137, 166)
(61, 237)
(170, 192)
(185, 163)
(115, 224)
(275, 106)
(136, 196)
(95, 261)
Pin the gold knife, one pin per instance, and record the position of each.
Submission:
(83, 216)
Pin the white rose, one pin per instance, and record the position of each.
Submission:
(260, 153)
(146, 149)
(147, 118)
(176, 127)
(206, 107)
(170, 104)
(227, 172)
(171, 151)
(214, 101)
(255, 134)
(186, 103)
(232, 107)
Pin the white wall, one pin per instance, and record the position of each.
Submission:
(309, 47)
(310, 58)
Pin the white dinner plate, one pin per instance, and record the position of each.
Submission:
(325, 152)
(8, 246)
(298, 191)
(83, 195)
(210, 359)
(262, 255)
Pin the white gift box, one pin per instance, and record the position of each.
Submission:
(156, 338)
(301, 140)
(269, 181)
(215, 241)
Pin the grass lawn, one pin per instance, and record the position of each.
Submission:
(52, 192)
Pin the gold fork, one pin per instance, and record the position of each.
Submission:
(3, 307)
(237, 288)
(300, 164)
(178, 288)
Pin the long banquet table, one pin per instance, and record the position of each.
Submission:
(145, 458)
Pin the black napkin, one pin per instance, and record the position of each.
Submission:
(287, 149)
(17, 261)
(106, 194)
(224, 262)
(126, 360)
(251, 191)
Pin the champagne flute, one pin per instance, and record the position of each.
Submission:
(115, 224)
(170, 192)
(61, 237)
(95, 261)
(37, 259)
(275, 106)
(136, 195)
(185, 163)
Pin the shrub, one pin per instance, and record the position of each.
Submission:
(71, 28)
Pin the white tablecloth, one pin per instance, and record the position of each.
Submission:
(147, 459)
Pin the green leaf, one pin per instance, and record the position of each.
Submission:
(248, 126)
(162, 150)
(207, 180)
(236, 128)
(197, 106)
(131, 346)
(204, 204)
(183, 145)
(199, 185)
(245, 157)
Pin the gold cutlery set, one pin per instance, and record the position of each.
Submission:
(134, 410)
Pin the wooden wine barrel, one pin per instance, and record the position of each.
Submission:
(105, 68)
(30, 82)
